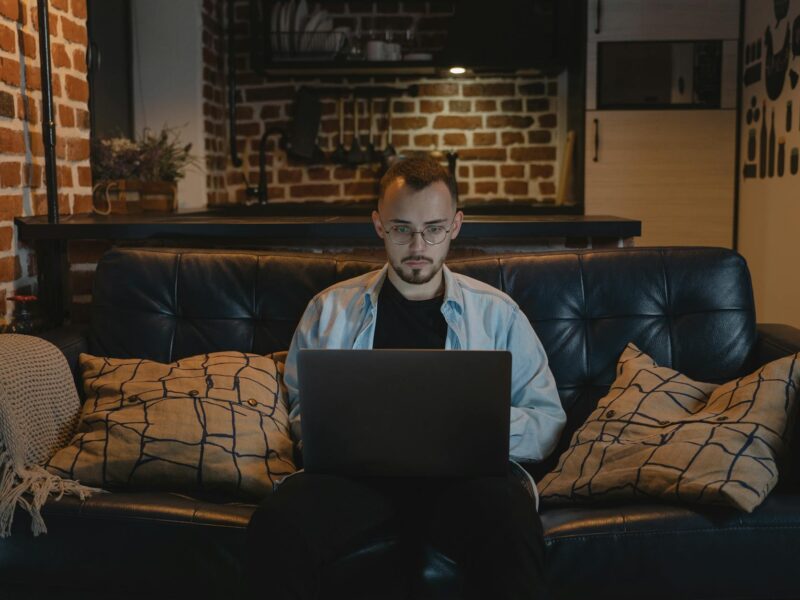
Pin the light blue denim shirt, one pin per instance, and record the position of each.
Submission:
(479, 317)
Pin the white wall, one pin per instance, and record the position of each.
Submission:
(769, 207)
(168, 80)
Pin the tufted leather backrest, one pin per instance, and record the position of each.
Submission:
(689, 308)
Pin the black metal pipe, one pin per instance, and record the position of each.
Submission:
(48, 125)
(235, 159)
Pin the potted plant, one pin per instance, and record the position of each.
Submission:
(139, 175)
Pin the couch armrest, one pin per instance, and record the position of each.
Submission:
(775, 341)
(71, 340)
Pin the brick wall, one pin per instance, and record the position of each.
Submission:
(22, 191)
(505, 129)
(214, 101)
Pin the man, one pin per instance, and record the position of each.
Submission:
(489, 526)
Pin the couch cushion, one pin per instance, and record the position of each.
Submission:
(662, 551)
(659, 434)
(213, 422)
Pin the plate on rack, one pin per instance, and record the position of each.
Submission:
(299, 23)
(274, 17)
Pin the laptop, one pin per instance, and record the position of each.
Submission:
(405, 413)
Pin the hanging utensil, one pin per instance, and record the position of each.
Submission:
(389, 152)
(356, 155)
(340, 153)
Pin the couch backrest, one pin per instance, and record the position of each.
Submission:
(689, 308)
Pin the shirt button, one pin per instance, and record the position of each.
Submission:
(252, 402)
(610, 414)
(194, 393)
(722, 418)
(133, 399)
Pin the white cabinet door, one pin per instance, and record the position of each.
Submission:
(663, 19)
(672, 169)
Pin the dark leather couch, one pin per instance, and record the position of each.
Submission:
(691, 309)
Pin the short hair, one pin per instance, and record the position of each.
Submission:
(419, 172)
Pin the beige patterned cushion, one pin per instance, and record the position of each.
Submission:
(658, 434)
(214, 422)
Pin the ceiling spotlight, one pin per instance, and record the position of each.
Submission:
(457, 70)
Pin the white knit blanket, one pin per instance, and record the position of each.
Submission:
(39, 411)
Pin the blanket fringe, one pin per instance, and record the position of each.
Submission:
(29, 487)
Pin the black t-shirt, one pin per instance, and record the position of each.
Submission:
(404, 323)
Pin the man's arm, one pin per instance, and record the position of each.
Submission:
(305, 336)
(537, 417)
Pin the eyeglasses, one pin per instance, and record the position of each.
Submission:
(431, 234)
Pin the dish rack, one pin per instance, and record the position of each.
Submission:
(308, 45)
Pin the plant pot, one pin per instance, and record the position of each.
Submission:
(131, 196)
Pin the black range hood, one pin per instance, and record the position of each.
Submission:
(508, 35)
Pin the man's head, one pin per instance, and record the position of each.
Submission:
(417, 203)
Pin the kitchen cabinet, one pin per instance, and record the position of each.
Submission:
(671, 169)
(663, 151)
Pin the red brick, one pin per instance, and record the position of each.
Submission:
(40, 204)
(64, 177)
(537, 104)
(6, 105)
(60, 56)
(77, 89)
(32, 175)
(73, 32)
(485, 187)
(533, 153)
(512, 171)
(8, 39)
(66, 116)
(426, 139)
(79, 61)
(10, 174)
(489, 89)
(86, 251)
(10, 268)
(11, 141)
(85, 176)
(450, 122)
(10, 207)
(431, 106)
(9, 71)
(79, 9)
(536, 88)
(438, 89)
(401, 107)
(511, 137)
(406, 123)
(315, 190)
(463, 171)
(455, 139)
(78, 149)
(290, 176)
(548, 121)
(485, 105)
(319, 174)
(537, 171)
(462, 187)
(539, 136)
(517, 122)
(10, 9)
(482, 154)
(547, 187)
(26, 109)
(511, 105)
(81, 203)
(344, 173)
(262, 94)
(82, 119)
(6, 238)
(361, 188)
(62, 5)
(484, 138)
(459, 106)
(484, 171)
(516, 188)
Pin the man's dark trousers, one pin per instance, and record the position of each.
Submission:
(488, 526)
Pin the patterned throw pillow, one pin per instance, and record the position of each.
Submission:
(658, 434)
(214, 422)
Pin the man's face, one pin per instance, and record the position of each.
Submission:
(417, 262)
